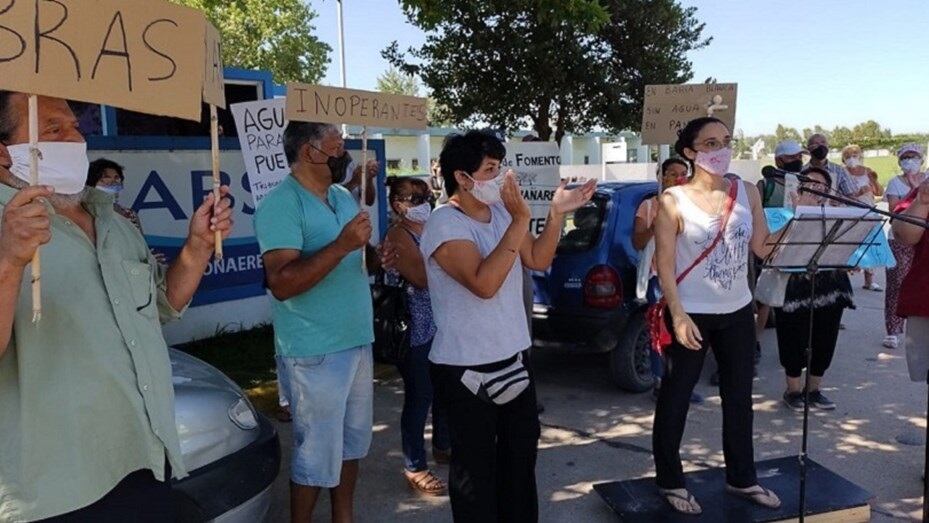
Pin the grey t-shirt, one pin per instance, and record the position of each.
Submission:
(471, 330)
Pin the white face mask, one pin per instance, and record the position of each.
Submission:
(487, 192)
(853, 161)
(911, 165)
(62, 165)
(418, 214)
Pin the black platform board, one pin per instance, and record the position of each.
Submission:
(638, 500)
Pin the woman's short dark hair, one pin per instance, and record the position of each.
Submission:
(820, 171)
(98, 167)
(466, 152)
(669, 162)
(688, 135)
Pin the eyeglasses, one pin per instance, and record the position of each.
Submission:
(714, 145)
(416, 199)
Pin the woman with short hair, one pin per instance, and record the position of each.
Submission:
(475, 249)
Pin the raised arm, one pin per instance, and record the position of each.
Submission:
(290, 274)
(537, 253)
(24, 226)
(461, 260)
(409, 261)
(184, 275)
(761, 235)
(909, 233)
(641, 232)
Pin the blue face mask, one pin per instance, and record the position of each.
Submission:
(111, 189)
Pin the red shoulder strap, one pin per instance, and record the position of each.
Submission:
(730, 204)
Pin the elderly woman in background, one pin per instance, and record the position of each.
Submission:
(910, 157)
(868, 188)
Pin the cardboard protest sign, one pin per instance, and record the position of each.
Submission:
(142, 55)
(668, 108)
(537, 166)
(260, 126)
(214, 89)
(314, 103)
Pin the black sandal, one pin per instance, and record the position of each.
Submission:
(669, 494)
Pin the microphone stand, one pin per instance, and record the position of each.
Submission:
(811, 270)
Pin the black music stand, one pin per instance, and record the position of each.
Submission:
(820, 238)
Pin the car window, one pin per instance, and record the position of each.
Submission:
(582, 228)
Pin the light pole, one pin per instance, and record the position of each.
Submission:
(341, 52)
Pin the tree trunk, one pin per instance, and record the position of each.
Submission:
(542, 120)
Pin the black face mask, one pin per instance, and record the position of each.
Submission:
(794, 166)
(338, 165)
(820, 152)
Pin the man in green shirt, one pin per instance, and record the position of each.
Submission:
(86, 396)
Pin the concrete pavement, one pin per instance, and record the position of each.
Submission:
(593, 432)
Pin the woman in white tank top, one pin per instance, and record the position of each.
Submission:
(711, 306)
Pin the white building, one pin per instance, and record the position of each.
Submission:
(410, 151)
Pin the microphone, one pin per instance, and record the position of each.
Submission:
(769, 171)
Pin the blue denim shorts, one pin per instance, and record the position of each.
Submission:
(331, 402)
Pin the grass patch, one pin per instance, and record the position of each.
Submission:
(885, 166)
(245, 356)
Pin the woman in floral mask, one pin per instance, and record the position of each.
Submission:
(705, 232)
(868, 188)
(412, 201)
(910, 157)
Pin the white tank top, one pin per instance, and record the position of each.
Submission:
(719, 283)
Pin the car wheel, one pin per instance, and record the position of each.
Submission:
(630, 359)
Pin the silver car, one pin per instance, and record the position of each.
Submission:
(231, 451)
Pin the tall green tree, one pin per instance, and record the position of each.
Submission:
(557, 66)
(275, 35)
(786, 133)
(396, 82)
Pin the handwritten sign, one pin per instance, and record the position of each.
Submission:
(142, 55)
(537, 166)
(668, 108)
(314, 103)
(214, 90)
(260, 126)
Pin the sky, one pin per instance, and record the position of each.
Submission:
(799, 63)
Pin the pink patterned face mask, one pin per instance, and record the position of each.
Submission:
(716, 162)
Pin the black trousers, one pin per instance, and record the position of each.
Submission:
(494, 448)
(793, 333)
(138, 498)
(732, 337)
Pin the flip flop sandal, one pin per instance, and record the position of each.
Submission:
(757, 495)
(691, 501)
(427, 483)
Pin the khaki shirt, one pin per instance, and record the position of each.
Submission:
(86, 395)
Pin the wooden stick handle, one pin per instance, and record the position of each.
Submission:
(364, 186)
(34, 180)
(214, 142)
